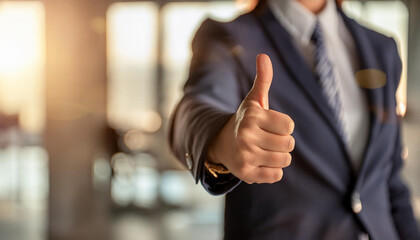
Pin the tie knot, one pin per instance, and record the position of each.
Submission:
(317, 34)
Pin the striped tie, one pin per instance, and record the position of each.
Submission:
(325, 74)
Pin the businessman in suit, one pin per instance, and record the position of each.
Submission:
(323, 94)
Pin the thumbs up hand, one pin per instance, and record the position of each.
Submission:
(255, 144)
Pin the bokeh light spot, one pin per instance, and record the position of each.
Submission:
(135, 140)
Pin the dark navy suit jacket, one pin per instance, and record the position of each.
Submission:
(317, 196)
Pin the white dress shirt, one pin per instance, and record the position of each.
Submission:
(342, 52)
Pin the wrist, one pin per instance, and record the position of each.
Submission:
(217, 151)
(211, 155)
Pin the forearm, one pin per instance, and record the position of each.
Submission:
(194, 125)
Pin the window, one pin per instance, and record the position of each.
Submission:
(23, 161)
(132, 58)
(22, 60)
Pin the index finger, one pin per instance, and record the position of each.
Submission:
(277, 123)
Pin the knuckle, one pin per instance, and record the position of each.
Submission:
(244, 174)
(242, 140)
(251, 110)
(250, 120)
(242, 168)
(244, 150)
(246, 124)
(245, 142)
(252, 113)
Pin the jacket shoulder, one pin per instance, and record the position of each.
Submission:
(213, 29)
(382, 41)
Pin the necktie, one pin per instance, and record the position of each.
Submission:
(325, 75)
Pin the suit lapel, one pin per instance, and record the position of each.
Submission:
(298, 69)
(368, 61)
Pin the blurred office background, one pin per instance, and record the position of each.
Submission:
(86, 91)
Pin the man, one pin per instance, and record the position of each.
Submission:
(326, 99)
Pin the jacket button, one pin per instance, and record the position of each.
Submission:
(188, 160)
(356, 203)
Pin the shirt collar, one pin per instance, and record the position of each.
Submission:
(330, 19)
(300, 22)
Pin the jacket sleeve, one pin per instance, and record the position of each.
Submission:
(401, 208)
(212, 95)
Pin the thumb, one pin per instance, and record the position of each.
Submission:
(262, 82)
